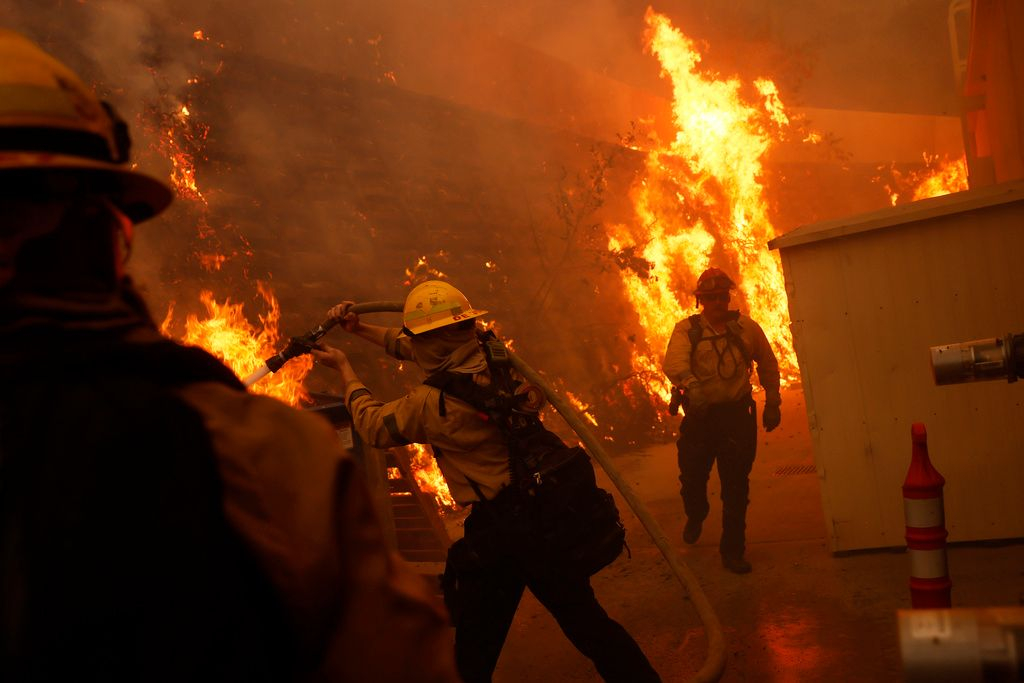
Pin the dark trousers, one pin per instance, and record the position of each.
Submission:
(726, 433)
(486, 598)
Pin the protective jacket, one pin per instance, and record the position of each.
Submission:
(158, 523)
(721, 359)
(472, 449)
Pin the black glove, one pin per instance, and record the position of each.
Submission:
(771, 417)
(695, 401)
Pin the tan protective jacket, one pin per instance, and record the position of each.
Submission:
(470, 451)
(718, 365)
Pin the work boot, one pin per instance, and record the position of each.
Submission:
(736, 564)
(692, 530)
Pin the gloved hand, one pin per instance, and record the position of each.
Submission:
(329, 356)
(771, 417)
(695, 401)
(344, 317)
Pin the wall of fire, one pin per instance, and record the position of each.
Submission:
(336, 146)
(338, 185)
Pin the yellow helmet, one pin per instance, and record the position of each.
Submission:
(50, 120)
(433, 304)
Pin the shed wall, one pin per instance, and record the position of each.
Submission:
(865, 310)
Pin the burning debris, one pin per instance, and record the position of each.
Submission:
(937, 177)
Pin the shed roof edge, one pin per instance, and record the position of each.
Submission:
(904, 213)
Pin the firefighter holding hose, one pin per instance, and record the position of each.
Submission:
(709, 360)
(157, 522)
(457, 411)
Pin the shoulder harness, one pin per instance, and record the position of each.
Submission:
(496, 402)
(733, 333)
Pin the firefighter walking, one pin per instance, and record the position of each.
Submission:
(709, 360)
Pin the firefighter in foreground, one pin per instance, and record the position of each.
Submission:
(538, 520)
(157, 522)
(709, 360)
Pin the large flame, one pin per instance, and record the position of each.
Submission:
(700, 202)
(428, 476)
(227, 334)
(224, 332)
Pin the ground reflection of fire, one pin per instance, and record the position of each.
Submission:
(700, 202)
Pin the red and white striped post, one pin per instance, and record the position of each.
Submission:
(926, 527)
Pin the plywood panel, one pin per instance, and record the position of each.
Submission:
(865, 309)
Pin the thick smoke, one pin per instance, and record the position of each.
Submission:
(336, 143)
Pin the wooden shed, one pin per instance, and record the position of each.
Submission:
(868, 295)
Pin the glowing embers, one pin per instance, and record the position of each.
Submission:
(182, 140)
(700, 201)
(228, 335)
(423, 271)
(428, 476)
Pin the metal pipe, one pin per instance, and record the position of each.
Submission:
(979, 360)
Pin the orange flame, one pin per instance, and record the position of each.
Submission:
(938, 177)
(946, 177)
(428, 476)
(228, 335)
(582, 407)
(225, 332)
(423, 271)
(700, 202)
(180, 140)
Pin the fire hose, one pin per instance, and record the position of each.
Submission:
(300, 345)
(714, 663)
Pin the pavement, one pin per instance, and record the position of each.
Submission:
(803, 615)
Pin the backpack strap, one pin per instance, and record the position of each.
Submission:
(462, 387)
(734, 333)
(696, 333)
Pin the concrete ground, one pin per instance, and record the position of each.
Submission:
(803, 615)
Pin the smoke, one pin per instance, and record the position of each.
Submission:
(336, 142)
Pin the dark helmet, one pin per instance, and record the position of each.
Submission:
(713, 280)
(50, 121)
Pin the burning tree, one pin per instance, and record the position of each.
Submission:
(700, 200)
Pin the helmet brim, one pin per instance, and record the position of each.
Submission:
(443, 322)
(138, 195)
